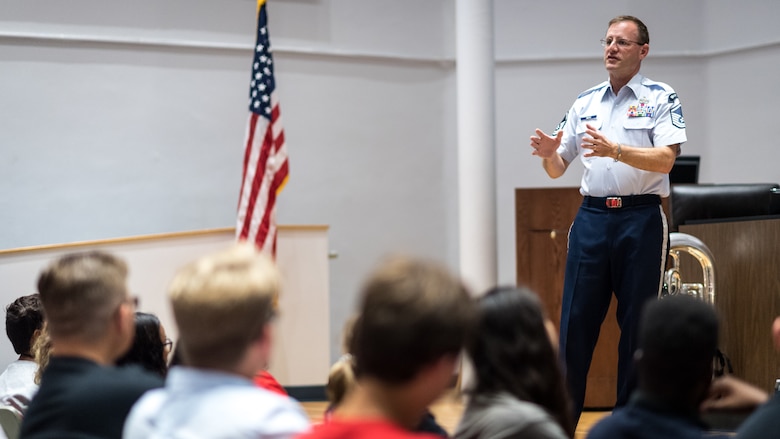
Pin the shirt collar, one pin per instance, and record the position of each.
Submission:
(182, 377)
(653, 403)
(635, 85)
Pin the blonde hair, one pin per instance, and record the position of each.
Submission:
(221, 303)
(341, 380)
(41, 351)
(341, 377)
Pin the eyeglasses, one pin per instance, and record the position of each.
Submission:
(133, 301)
(622, 43)
(168, 343)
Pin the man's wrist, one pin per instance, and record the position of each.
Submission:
(619, 154)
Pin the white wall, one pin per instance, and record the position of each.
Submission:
(301, 353)
(743, 91)
(134, 124)
(374, 170)
(137, 126)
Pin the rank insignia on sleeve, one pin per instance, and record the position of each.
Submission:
(677, 117)
(561, 124)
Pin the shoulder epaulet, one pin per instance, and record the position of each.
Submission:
(649, 83)
(593, 89)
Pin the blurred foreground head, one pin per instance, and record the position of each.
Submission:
(678, 338)
(412, 314)
(222, 304)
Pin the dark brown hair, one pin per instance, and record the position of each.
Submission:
(512, 352)
(411, 314)
(644, 35)
(23, 317)
(148, 350)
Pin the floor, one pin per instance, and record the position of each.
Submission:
(448, 410)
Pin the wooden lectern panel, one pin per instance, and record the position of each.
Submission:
(747, 293)
(543, 218)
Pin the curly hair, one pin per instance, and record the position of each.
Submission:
(41, 351)
(512, 352)
(23, 317)
(148, 349)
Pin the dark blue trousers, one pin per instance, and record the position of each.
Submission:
(620, 250)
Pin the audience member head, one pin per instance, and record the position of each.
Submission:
(41, 351)
(512, 352)
(23, 323)
(414, 317)
(176, 357)
(223, 305)
(150, 345)
(341, 377)
(341, 380)
(776, 333)
(346, 335)
(678, 337)
(86, 304)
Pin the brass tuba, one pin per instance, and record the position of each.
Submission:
(682, 242)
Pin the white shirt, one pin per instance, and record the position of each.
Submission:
(197, 403)
(19, 379)
(644, 113)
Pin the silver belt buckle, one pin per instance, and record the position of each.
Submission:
(614, 202)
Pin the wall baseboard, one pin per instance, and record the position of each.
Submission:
(307, 393)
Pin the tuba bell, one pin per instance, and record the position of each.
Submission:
(673, 283)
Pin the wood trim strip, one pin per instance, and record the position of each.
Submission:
(152, 237)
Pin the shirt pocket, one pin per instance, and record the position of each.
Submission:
(638, 131)
(580, 129)
(639, 123)
(593, 121)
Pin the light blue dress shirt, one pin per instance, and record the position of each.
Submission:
(644, 113)
(197, 403)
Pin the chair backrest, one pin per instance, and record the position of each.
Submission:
(10, 421)
(719, 201)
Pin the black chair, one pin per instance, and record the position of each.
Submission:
(696, 203)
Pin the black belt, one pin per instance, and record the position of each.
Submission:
(621, 202)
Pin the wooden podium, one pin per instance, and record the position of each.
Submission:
(747, 284)
(747, 292)
(543, 218)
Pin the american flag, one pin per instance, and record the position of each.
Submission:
(265, 158)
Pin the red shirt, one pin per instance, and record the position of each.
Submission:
(357, 429)
(266, 381)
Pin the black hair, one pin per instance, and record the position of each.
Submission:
(148, 349)
(512, 352)
(23, 317)
(678, 337)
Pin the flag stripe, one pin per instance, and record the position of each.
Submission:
(247, 157)
(257, 192)
(248, 194)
